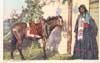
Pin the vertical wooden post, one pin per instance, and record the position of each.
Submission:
(69, 34)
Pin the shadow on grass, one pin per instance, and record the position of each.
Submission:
(26, 43)
(40, 56)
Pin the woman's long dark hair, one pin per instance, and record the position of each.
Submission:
(83, 6)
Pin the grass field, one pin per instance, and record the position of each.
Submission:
(31, 52)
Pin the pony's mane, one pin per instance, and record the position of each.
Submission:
(52, 18)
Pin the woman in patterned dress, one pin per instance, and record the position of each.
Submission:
(86, 31)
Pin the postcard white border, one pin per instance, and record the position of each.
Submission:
(39, 61)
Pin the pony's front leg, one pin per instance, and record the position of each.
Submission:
(19, 47)
(44, 49)
(12, 52)
(12, 57)
(13, 46)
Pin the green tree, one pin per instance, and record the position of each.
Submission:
(34, 9)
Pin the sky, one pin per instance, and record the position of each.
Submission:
(10, 5)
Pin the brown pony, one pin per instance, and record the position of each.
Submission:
(19, 30)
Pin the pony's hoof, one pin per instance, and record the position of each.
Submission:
(23, 59)
(44, 57)
(12, 58)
